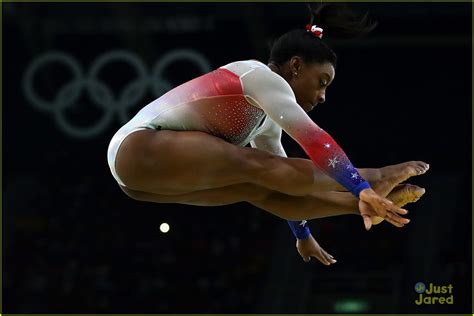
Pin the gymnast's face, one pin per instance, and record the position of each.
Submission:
(309, 82)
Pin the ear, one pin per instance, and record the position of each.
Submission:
(296, 63)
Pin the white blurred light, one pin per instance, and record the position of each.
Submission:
(164, 228)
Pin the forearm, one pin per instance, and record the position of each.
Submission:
(323, 182)
(331, 159)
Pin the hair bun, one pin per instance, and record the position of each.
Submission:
(339, 21)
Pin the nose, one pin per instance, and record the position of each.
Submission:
(321, 98)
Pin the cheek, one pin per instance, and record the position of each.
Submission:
(314, 90)
(308, 93)
(310, 87)
(301, 90)
(306, 89)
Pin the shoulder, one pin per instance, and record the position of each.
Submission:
(243, 66)
(248, 63)
(264, 80)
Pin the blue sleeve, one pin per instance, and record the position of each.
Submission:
(300, 229)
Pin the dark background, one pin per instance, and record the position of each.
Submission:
(74, 243)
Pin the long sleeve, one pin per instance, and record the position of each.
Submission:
(300, 229)
(274, 95)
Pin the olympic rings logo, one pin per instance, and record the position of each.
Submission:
(100, 92)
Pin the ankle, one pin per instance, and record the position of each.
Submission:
(372, 175)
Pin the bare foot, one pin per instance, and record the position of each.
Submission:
(406, 193)
(387, 178)
(401, 195)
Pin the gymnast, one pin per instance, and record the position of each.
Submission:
(189, 145)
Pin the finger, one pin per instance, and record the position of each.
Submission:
(320, 256)
(329, 257)
(399, 210)
(323, 260)
(396, 209)
(389, 205)
(367, 222)
(397, 218)
(399, 221)
(394, 223)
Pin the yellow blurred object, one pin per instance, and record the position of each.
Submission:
(376, 220)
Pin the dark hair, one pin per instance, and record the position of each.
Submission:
(337, 21)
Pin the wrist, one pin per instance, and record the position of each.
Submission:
(360, 188)
(301, 238)
(300, 229)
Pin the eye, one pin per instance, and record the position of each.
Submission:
(323, 83)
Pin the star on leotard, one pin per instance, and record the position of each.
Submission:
(327, 145)
(333, 162)
(354, 175)
(303, 222)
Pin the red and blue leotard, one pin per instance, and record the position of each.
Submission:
(240, 102)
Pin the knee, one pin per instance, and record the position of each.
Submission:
(148, 197)
(136, 195)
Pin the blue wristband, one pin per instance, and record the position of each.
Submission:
(300, 229)
(361, 186)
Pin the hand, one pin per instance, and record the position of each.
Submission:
(379, 204)
(370, 217)
(309, 247)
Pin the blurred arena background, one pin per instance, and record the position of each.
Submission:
(74, 243)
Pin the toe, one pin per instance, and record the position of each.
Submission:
(423, 165)
(420, 191)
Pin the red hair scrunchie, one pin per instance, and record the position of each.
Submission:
(315, 30)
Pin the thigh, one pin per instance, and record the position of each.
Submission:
(176, 162)
(245, 192)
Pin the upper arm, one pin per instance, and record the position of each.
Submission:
(270, 140)
(275, 96)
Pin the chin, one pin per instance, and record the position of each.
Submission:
(306, 106)
(310, 106)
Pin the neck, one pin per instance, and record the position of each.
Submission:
(275, 68)
(282, 71)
